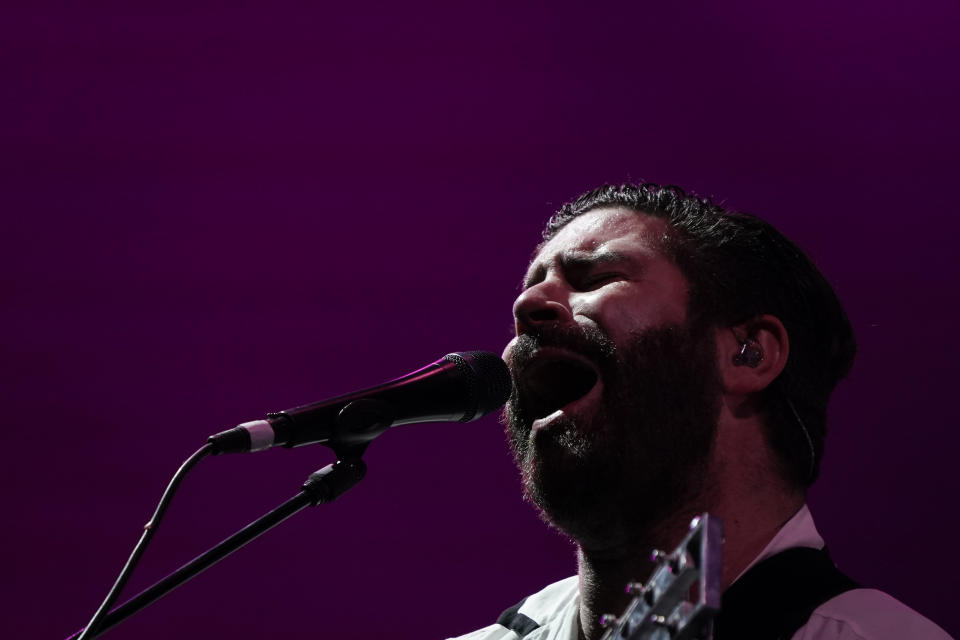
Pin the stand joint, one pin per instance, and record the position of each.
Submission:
(330, 482)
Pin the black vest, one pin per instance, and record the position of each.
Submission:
(777, 595)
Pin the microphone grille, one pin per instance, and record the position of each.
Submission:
(488, 379)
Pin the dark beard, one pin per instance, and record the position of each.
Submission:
(611, 478)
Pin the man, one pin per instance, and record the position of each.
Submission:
(673, 358)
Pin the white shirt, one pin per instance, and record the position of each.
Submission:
(858, 614)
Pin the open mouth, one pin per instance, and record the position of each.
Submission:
(551, 383)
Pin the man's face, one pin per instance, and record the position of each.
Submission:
(615, 400)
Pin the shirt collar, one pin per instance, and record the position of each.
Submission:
(798, 531)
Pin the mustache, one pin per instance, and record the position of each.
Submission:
(589, 342)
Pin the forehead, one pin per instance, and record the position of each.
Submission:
(606, 229)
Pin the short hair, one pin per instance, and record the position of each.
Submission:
(740, 267)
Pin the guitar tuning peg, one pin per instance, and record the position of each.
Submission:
(608, 620)
(635, 588)
(695, 523)
(657, 555)
(663, 622)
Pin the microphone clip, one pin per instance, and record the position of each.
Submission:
(360, 422)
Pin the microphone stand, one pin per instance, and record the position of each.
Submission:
(321, 487)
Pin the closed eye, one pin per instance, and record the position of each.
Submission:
(597, 280)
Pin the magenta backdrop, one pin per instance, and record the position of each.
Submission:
(211, 212)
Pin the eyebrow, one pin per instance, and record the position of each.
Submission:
(576, 260)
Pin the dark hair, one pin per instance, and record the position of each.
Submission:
(739, 267)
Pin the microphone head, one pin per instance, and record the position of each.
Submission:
(487, 380)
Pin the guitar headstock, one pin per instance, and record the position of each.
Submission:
(682, 596)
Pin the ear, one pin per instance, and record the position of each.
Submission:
(744, 371)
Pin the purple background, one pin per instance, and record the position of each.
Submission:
(214, 212)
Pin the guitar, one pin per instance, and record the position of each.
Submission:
(682, 596)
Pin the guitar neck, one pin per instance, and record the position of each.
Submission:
(682, 596)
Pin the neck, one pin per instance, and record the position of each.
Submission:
(604, 574)
(749, 525)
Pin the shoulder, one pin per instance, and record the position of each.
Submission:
(867, 614)
(545, 607)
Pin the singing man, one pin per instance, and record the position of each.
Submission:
(673, 358)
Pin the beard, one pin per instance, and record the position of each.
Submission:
(638, 456)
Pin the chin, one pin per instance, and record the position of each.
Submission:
(571, 481)
(594, 483)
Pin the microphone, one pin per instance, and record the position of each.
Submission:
(459, 387)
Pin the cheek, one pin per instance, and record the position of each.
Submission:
(623, 317)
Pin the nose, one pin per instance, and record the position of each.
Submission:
(540, 305)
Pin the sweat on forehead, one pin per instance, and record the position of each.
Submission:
(592, 231)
